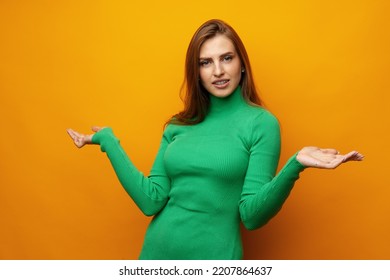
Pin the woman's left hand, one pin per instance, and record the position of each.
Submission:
(325, 158)
(79, 139)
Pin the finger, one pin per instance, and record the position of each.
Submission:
(77, 139)
(97, 128)
(74, 133)
(350, 156)
(339, 159)
(360, 156)
(71, 133)
(357, 157)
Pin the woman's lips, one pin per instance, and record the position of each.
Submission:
(221, 84)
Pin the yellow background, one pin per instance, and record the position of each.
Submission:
(322, 68)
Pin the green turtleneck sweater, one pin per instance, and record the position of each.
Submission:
(206, 179)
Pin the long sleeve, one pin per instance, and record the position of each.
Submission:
(149, 193)
(264, 193)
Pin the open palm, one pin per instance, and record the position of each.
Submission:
(80, 139)
(325, 158)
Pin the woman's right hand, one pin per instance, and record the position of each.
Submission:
(80, 139)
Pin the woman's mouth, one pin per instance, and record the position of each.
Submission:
(221, 84)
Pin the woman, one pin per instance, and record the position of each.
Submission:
(217, 161)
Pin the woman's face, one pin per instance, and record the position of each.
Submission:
(220, 66)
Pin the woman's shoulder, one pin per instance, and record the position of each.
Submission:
(261, 123)
(173, 129)
(260, 114)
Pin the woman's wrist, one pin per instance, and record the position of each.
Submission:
(100, 136)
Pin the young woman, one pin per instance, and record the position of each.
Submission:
(217, 161)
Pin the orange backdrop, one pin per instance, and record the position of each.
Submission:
(322, 67)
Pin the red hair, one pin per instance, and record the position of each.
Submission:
(196, 98)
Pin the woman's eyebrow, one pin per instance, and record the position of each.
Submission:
(222, 55)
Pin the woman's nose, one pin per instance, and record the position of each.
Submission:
(218, 70)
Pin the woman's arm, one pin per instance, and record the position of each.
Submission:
(149, 193)
(264, 193)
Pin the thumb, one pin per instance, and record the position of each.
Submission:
(96, 128)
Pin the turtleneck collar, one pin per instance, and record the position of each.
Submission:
(228, 104)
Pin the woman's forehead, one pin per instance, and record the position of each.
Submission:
(216, 46)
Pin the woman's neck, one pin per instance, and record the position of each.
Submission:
(226, 105)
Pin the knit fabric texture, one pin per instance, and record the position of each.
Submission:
(207, 179)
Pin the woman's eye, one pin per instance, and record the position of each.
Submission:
(228, 58)
(204, 62)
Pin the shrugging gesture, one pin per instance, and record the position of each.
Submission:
(309, 156)
(217, 161)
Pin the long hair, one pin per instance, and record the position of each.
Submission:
(196, 98)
